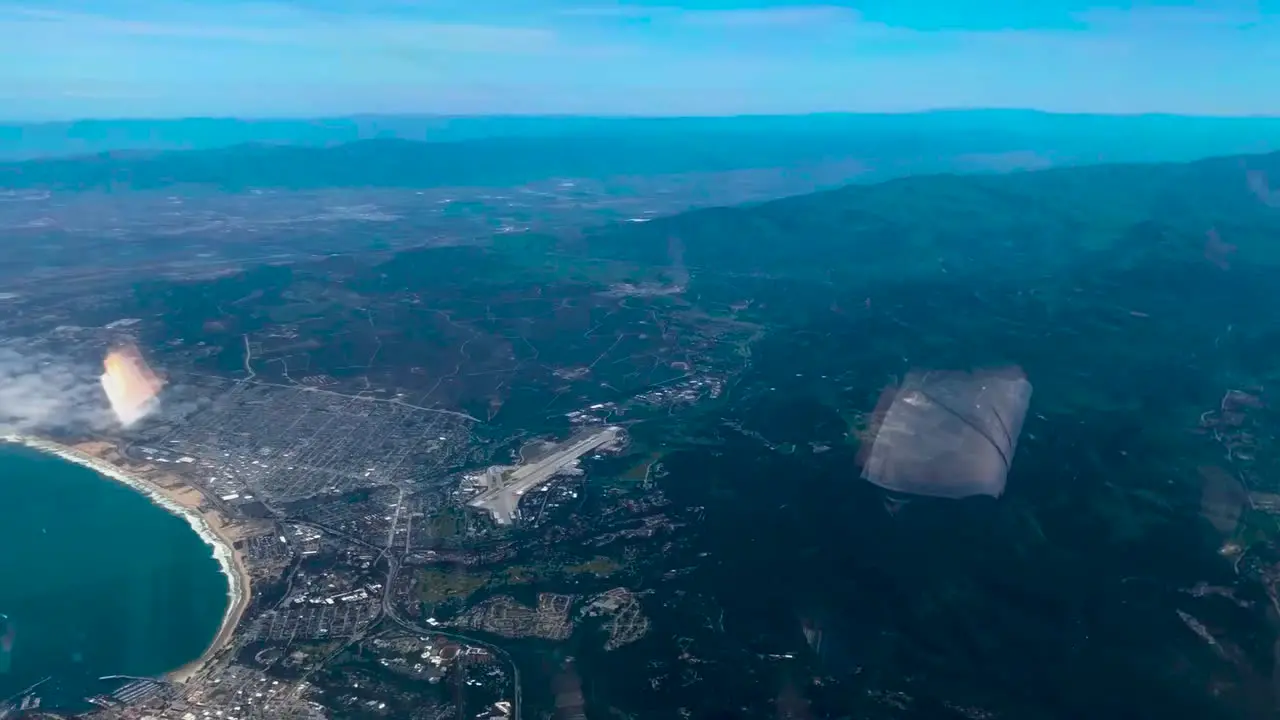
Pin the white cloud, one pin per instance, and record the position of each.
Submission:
(278, 24)
(39, 393)
(790, 16)
(793, 16)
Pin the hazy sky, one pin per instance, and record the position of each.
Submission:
(111, 58)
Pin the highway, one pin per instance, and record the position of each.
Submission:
(389, 610)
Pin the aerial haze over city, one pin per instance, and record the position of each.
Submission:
(677, 360)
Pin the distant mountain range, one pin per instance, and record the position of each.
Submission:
(1142, 137)
(419, 152)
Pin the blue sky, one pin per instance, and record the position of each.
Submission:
(119, 58)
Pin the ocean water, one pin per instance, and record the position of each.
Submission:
(96, 579)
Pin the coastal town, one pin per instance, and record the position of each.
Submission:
(263, 665)
(320, 613)
(384, 557)
(419, 503)
(350, 585)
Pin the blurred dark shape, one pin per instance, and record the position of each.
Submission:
(812, 634)
(1235, 400)
(675, 253)
(1259, 186)
(7, 634)
(791, 704)
(567, 687)
(947, 434)
(1222, 499)
(1216, 251)
(840, 644)
(1234, 425)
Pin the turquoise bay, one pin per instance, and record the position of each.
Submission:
(96, 579)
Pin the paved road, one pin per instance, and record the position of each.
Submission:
(389, 609)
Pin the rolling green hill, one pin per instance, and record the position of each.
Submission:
(1026, 222)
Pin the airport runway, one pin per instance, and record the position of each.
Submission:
(501, 502)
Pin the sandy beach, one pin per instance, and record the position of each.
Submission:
(174, 495)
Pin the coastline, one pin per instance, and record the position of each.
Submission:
(178, 501)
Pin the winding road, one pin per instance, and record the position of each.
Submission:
(389, 611)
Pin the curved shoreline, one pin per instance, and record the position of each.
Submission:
(229, 560)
